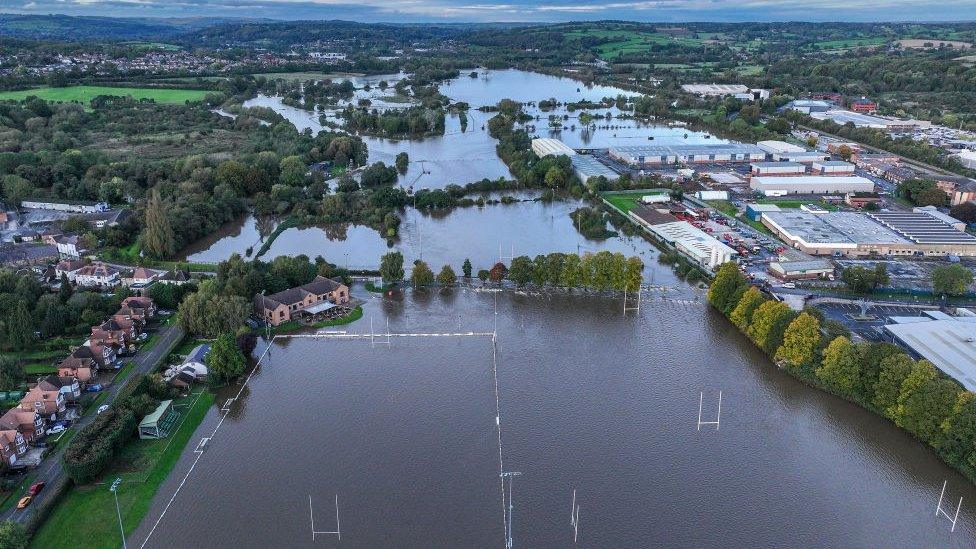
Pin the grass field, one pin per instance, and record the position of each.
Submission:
(627, 201)
(86, 517)
(849, 43)
(84, 94)
(795, 204)
(628, 41)
(724, 206)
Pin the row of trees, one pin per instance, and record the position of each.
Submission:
(953, 279)
(878, 376)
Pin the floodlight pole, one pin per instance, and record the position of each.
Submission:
(114, 489)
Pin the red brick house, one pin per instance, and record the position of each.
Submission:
(26, 422)
(281, 307)
(12, 446)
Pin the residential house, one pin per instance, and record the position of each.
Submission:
(109, 218)
(281, 307)
(145, 305)
(50, 236)
(66, 206)
(46, 402)
(28, 423)
(104, 355)
(80, 365)
(118, 333)
(69, 386)
(97, 275)
(13, 445)
(71, 246)
(140, 276)
(178, 277)
(195, 363)
(69, 268)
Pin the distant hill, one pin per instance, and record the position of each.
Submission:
(70, 28)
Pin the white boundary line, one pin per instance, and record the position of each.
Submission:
(201, 445)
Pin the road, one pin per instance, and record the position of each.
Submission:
(51, 470)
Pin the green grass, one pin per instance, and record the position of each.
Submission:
(848, 43)
(795, 204)
(17, 492)
(86, 517)
(626, 201)
(40, 368)
(629, 41)
(724, 206)
(294, 325)
(84, 94)
(127, 369)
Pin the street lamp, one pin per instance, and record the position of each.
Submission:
(114, 489)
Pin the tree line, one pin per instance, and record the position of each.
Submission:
(878, 376)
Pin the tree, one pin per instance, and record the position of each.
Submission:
(12, 535)
(765, 322)
(65, 290)
(741, 316)
(446, 277)
(965, 212)
(20, 328)
(391, 267)
(466, 268)
(845, 152)
(16, 189)
(925, 400)
(402, 162)
(158, 238)
(292, 171)
(12, 374)
(800, 340)
(951, 279)
(483, 274)
(863, 280)
(521, 270)
(956, 441)
(497, 272)
(894, 370)
(870, 356)
(727, 288)
(841, 368)
(421, 276)
(55, 318)
(225, 361)
(634, 273)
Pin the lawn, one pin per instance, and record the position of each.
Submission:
(40, 368)
(84, 94)
(795, 204)
(848, 43)
(142, 465)
(626, 201)
(724, 206)
(628, 41)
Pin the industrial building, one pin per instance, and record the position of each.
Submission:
(803, 157)
(861, 120)
(948, 342)
(809, 106)
(756, 211)
(712, 195)
(715, 90)
(585, 167)
(800, 270)
(545, 147)
(967, 158)
(832, 167)
(777, 168)
(659, 155)
(925, 229)
(810, 184)
(694, 243)
(858, 234)
(776, 147)
(944, 217)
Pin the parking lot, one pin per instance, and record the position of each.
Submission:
(869, 329)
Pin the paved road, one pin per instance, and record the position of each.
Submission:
(51, 470)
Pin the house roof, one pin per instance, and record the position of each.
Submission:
(198, 354)
(157, 414)
(320, 285)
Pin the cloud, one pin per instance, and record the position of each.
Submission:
(514, 10)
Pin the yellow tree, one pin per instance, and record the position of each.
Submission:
(741, 316)
(800, 340)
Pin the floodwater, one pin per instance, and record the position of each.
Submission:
(463, 156)
(591, 400)
(481, 234)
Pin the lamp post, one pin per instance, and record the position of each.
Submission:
(114, 489)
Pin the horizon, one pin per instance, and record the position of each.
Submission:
(511, 11)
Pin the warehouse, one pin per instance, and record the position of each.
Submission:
(714, 90)
(586, 167)
(832, 167)
(929, 232)
(698, 245)
(777, 168)
(857, 234)
(659, 155)
(545, 147)
(810, 184)
(756, 211)
(803, 157)
(801, 270)
(944, 217)
(947, 342)
(775, 147)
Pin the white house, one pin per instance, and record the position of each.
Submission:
(69, 268)
(97, 275)
(71, 246)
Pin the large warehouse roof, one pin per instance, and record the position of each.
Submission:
(841, 229)
(587, 166)
(684, 150)
(779, 147)
(812, 183)
(922, 228)
(949, 344)
(545, 146)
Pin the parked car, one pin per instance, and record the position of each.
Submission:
(55, 430)
(93, 388)
(101, 409)
(24, 502)
(35, 489)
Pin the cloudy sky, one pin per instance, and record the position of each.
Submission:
(517, 10)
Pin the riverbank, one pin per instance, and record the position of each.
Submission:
(86, 515)
(879, 377)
